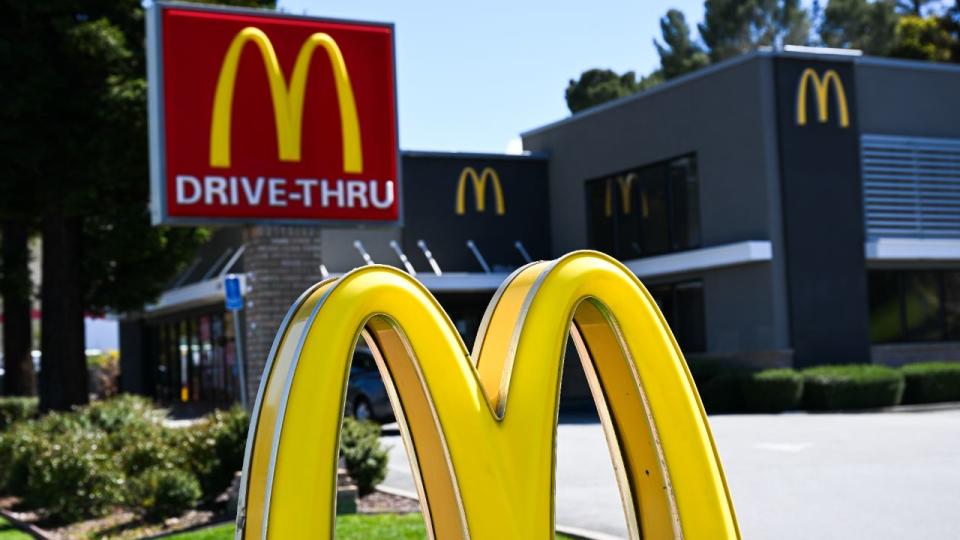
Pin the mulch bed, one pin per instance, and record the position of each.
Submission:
(379, 502)
(125, 525)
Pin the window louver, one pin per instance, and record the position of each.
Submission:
(911, 186)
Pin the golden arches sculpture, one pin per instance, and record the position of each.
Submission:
(480, 428)
(287, 101)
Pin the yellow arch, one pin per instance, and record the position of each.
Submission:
(480, 428)
(479, 189)
(822, 88)
(287, 102)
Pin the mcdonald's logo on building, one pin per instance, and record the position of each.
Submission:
(480, 427)
(479, 184)
(821, 89)
(257, 116)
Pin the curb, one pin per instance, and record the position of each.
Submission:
(199, 527)
(574, 532)
(25, 527)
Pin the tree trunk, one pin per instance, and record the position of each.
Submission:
(63, 364)
(18, 378)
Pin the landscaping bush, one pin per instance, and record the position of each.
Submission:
(772, 390)
(161, 493)
(214, 449)
(146, 446)
(930, 382)
(858, 386)
(15, 409)
(365, 458)
(73, 475)
(83, 463)
(720, 393)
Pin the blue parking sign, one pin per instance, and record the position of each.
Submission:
(232, 292)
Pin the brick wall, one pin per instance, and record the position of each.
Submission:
(281, 262)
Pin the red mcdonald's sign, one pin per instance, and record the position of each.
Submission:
(258, 116)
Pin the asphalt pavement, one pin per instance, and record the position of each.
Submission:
(792, 476)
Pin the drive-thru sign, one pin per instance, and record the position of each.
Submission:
(264, 117)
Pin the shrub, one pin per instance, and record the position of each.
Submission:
(140, 447)
(365, 458)
(73, 475)
(721, 392)
(214, 449)
(930, 382)
(116, 414)
(162, 493)
(772, 390)
(858, 386)
(15, 409)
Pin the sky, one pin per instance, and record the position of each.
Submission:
(471, 76)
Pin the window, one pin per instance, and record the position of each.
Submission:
(646, 211)
(682, 307)
(914, 305)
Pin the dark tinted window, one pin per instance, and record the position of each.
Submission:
(645, 211)
(886, 322)
(912, 305)
(951, 304)
(653, 210)
(921, 296)
(685, 207)
(601, 200)
(682, 308)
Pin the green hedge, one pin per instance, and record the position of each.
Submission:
(772, 390)
(15, 409)
(930, 382)
(118, 453)
(855, 386)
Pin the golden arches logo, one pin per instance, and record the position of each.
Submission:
(480, 428)
(287, 100)
(821, 88)
(479, 182)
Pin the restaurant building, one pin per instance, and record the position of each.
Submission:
(784, 209)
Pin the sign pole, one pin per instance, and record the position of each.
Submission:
(233, 295)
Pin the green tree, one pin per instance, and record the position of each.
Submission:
(596, 86)
(73, 136)
(922, 38)
(734, 27)
(15, 288)
(860, 24)
(679, 54)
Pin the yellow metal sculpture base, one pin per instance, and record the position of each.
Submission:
(480, 428)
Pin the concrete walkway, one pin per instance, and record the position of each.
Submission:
(793, 476)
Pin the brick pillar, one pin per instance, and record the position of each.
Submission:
(280, 262)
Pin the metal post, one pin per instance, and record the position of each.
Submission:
(523, 251)
(476, 253)
(241, 365)
(363, 252)
(426, 253)
(403, 258)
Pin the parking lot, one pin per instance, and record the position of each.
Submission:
(793, 476)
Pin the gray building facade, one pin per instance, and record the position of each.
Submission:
(801, 201)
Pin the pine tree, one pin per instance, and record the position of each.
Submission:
(860, 24)
(679, 54)
(734, 27)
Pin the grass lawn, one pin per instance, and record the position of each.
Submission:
(9, 532)
(352, 527)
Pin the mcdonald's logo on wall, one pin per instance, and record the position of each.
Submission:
(479, 183)
(258, 116)
(821, 89)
